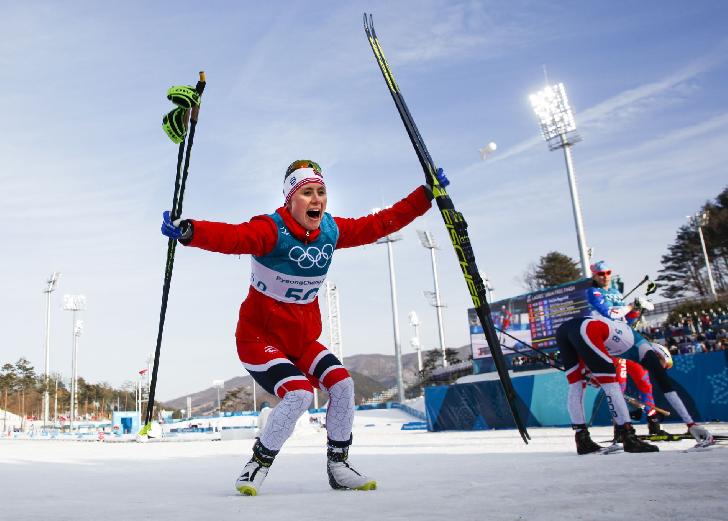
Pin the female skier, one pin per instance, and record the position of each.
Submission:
(279, 320)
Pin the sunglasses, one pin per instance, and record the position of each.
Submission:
(604, 273)
(304, 163)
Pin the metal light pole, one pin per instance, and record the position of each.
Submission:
(77, 330)
(218, 384)
(74, 303)
(415, 341)
(428, 241)
(52, 282)
(334, 314)
(388, 240)
(558, 128)
(699, 220)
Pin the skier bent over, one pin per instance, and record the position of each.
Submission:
(608, 304)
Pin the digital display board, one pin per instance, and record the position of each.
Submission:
(531, 318)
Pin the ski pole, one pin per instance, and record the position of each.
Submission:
(176, 212)
(647, 277)
(595, 410)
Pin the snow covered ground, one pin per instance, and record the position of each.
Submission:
(484, 475)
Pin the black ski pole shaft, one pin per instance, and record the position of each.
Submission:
(176, 212)
(647, 277)
(595, 410)
(457, 230)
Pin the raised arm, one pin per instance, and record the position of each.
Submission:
(367, 229)
(256, 237)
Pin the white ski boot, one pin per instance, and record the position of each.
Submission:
(255, 471)
(343, 476)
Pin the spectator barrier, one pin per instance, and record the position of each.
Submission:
(542, 398)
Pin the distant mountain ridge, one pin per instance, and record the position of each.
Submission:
(372, 373)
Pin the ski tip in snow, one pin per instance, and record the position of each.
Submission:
(611, 449)
(247, 490)
(703, 446)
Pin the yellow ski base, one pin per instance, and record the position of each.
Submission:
(372, 485)
(247, 490)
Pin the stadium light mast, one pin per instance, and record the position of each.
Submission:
(219, 384)
(558, 128)
(52, 282)
(414, 321)
(74, 303)
(388, 240)
(428, 241)
(699, 220)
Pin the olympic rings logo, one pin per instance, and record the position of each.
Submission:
(307, 258)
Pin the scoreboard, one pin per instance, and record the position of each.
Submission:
(550, 308)
(531, 318)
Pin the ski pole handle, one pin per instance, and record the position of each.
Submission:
(200, 88)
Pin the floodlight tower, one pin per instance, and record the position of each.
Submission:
(74, 303)
(52, 282)
(558, 128)
(415, 340)
(388, 240)
(428, 241)
(334, 313)
(219, 384)
(699, 220)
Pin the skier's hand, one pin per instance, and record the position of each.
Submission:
(442, 178)
(700, 433)
(618, 312)
(643, 303)
(176, 229)
(442, 181)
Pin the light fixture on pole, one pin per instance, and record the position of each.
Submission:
(558, 128)
(219, 384)
(52, 282)
(388, 240)
(699, 220)
(414, 321)
(428, 241)
(74, 303)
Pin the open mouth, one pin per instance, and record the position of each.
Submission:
(313, 214)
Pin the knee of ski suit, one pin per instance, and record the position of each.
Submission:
(658, 374)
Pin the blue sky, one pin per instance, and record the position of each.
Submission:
(86, 169)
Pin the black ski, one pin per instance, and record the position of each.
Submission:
(456, 227)
(677, 437)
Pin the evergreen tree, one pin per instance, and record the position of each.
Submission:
(553, 269)
(683, 267)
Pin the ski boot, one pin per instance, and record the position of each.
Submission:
(341, 474)
(584, 443)
(255, 471)
(630, 441)
(653, 426)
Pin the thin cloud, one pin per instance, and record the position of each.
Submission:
(632, 101)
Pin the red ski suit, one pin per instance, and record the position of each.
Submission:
(293, 329)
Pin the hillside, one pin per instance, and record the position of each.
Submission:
(371, 373)
(205, 402)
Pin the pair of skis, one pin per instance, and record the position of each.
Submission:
(677, 437)
(183, 165)
(456, 226)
